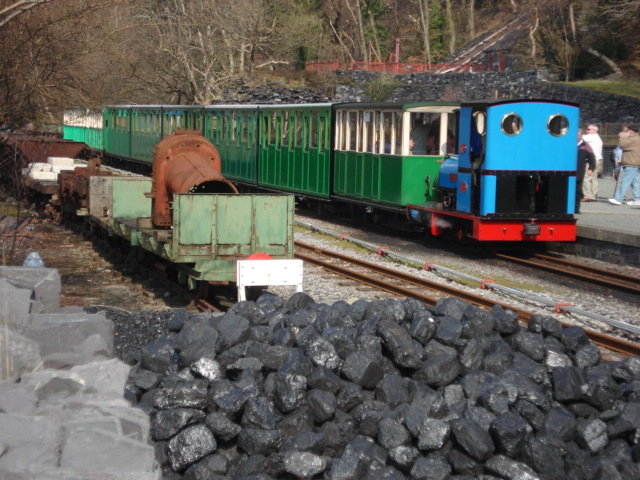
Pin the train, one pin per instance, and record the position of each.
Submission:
(185, 215)
(485, 171)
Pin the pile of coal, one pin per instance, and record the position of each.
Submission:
(384, 390)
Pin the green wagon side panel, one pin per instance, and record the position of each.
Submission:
(268, 225)
(90, 136)
(234, 218)
(213, 231)
(196, 220)
(129, 199)
(389, 179)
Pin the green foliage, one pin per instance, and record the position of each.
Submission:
(437, 28)
(375, 8)
(379, 89)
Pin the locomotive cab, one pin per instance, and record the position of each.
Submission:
(514, 176)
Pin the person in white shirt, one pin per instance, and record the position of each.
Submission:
(590, 185)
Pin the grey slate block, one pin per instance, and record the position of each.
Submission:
(43, 282)
(23, 353)
(29, 440)
(15, 304)
(91, 450)
(17, 398)
(59, 338)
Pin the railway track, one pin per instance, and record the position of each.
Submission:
(585, 273)
(405, 285)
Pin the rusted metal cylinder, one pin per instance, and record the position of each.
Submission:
(184, 162)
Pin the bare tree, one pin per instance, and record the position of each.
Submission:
(532, 37)
(471, 19)
(555, 38)
(622, 9)
(12, 10)
(592, 51)
(44, 62)
(354, 8)
(196, 46)
(423, 22)
(451, 27)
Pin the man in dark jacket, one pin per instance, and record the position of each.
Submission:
(586, 163)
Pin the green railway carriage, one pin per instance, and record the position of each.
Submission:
(133, 131)
(233, 129)
(355, 152)
(295, 150)
(375, 160)
(83, 125)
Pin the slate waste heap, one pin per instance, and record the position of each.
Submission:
(63, 414)
(292, 388)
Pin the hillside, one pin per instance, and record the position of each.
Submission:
(500, 27)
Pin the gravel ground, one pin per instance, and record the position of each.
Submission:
(322, 286)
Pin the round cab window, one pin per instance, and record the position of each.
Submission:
(558, 125)
(512, 124)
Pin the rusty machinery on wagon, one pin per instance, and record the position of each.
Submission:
(187, 213)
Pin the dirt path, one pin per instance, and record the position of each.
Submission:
(91, 275)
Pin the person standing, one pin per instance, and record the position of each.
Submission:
(418, 138)
(630, 145)
(590, 183)
(586, 166)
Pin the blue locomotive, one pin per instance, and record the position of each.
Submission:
(487, 170)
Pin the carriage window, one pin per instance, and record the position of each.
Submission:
(339, 135)
(558, 125)
(313, 134)
(512, 124)
(245, 129)
(298, 120)
(353, 135)
(322, 131)
(272, 128)
(369, 134)
(214, 127)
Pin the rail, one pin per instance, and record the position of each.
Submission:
(560, 266)
(607, 341)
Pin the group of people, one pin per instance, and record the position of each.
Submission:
(590, 164)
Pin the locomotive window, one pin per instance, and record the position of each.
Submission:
(481, 122)
(558, 125)
(512, 124)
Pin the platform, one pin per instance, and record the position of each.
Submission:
(605, 231)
